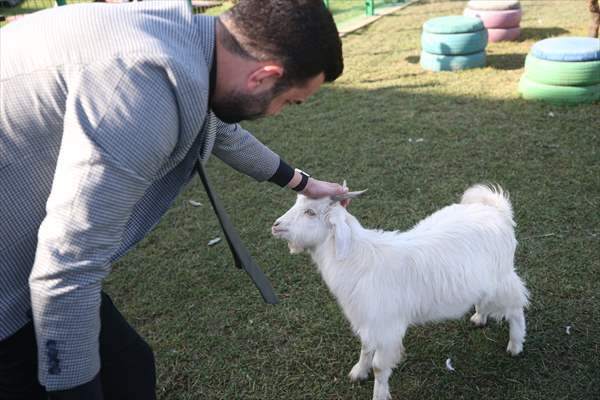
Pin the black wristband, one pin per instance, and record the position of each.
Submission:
(283, 175)
(300, 187)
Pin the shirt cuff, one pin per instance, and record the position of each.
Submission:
(283, 175)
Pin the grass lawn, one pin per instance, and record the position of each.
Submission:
(215, 339)
(343, 10)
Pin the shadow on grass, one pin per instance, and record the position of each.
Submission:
(413, 59)
(540, 33)
(497, 61)
(506, 61)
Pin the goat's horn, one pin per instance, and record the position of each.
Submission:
(349, 195)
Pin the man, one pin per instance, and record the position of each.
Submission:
(595, 23)
(104, 111)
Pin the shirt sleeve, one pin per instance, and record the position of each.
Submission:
(239, 149)
(120, 126)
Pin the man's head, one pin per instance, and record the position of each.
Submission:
(271, 53)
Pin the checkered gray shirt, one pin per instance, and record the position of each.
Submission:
(104, 112)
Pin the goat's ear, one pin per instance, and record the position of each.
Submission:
(345, 196)
(341, 233)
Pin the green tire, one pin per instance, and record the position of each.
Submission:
(559, 73)
(531, 90)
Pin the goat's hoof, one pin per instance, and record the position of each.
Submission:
(358, 374)
(514, 349)
(382, 396)
(479, 320)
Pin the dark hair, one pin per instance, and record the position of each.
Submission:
(300, 34)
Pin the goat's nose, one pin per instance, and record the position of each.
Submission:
(276, 223)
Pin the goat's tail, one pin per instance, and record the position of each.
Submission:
(489, 195)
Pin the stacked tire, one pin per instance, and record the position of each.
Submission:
(453, 43)
(502, 18)
(563, 70)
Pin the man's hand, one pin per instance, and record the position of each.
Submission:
(316, 188)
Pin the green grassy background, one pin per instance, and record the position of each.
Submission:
(343, 10)
(215, 339)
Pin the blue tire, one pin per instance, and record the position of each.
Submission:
(454, 43)
(437, 62)
(453, 24)
(570, 49)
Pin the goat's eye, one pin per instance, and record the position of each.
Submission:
(310, 212)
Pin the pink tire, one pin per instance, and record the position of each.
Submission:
(496, 19)
(503, 34)
(494, 4)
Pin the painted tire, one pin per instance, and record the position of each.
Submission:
(494, 5)
(438, 62)
(583, 73)
(497, 19)
(567, 49)
(453, 24)
(530, 90)
(454, 44)
(503, 34)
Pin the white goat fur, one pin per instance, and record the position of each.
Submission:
(458, 257)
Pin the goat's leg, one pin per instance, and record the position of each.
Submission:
(361, 369)
(516, 321)
(511, 298)
(384, 361)
(480, 317)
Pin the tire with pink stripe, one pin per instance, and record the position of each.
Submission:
(496, 19)
(494, 4)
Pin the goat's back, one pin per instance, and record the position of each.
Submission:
(465, 222)
(468, 247)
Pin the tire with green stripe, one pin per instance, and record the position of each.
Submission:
(454, 43)
(531, 90)
(440, 62)
(559, 73)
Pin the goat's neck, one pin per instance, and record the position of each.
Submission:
(362, 246)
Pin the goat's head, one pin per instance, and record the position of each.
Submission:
(310, 222)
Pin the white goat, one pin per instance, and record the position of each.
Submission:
(460, 256)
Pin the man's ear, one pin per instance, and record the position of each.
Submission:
(264, 76)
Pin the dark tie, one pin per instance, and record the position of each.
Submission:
(240, 253)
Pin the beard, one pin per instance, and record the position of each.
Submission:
(236, 106)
